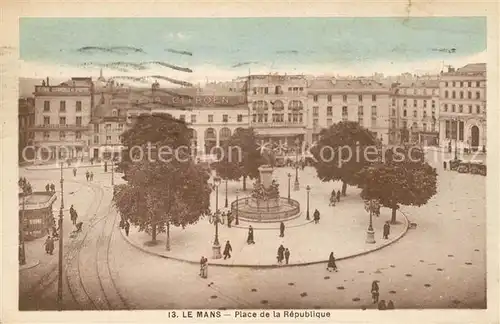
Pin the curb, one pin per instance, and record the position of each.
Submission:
(29, 266)
(275, 266)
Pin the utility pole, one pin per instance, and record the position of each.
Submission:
(60, 282)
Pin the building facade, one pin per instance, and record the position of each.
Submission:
(462, 121)
(362, 100)
(62, 117)
(26, 120)
(417, 107)
(277, 108)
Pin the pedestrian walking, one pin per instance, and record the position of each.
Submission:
(227, 250)
(122, 223)
(47, 187)
(390, 305)
(282, 229)
(287, 255)
(387, 230)
(52, 188)
(281, 252)
(204, 267)
(127, 227)
(91, 176)
(331, 263)
(381, 305)
(49, 245)
(338, 196)
(74, 172)
(444, 165)
(87, 175)
(92, 161)
(375, 291)
(250, 239)
(316, 216)
(333, 199)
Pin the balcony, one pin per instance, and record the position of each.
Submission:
(57, 127)
(277, 124)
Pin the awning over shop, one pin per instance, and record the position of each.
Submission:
(280, 131)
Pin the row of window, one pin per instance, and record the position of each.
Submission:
(462, 94)
(278, 105)
(62, 135)
(344, 98)
(461, 108)
(62, 120)
(415, 103)
(424, 91)
(278, 118)
(277, 90)
(451, 129)
(424, 114)
(329, 110)
(329, 121)
(107, 127)
(462, 84)
(62, 106)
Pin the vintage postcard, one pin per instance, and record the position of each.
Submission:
(241, 166)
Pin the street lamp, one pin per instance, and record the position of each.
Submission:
(289, 177)
(237, 222)
(226, 202)
(60, 281)
(308, 188)
(370, 233)
(296, 185)
(215, 218)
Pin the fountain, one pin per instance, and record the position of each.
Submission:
(265, 204)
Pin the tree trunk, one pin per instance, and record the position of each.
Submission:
(244, 183)
(393, 218)
(153, 232)
(344, 188)
(168, 236)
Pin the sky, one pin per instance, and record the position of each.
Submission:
(199, 49)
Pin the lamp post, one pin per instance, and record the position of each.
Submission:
(237, 222)
(226, 202)
(370, 233)
(112, 172)
(289, 177)
(308, 188)
(60, 281)
(296, 185)
(215, 219)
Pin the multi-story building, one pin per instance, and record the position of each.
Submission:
(417, 106)
(463, 107)
(212, 114)
(277, 106)
(361, 100)
(26, 120)
(62, 116)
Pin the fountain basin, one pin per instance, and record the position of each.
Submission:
(266, 211)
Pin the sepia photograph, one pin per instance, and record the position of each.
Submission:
(252, 164)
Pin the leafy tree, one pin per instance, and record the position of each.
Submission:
(159, 193)
(404, 178)
(336, 152)
(242, 157)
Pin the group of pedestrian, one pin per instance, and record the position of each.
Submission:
(334, 197)
(124, 224)
(229, 217)
(89, 175)
(381, 305)
(49, 245)
(50, 187)
(283, 254)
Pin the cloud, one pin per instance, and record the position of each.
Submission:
(178, 36)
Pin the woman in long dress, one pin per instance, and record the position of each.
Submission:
(250, 239)
(331, 263)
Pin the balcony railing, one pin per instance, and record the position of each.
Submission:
(277, 124)
(49, 127)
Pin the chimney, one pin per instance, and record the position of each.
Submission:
(48, 82)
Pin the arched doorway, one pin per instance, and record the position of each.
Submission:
(224, 135)
(474, 134)
(210, 140)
